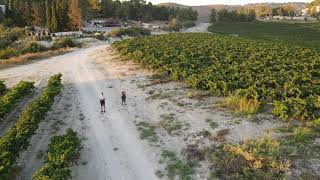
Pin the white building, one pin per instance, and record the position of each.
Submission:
(3, 8)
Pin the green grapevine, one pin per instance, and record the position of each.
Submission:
(8, 101)
(289, 77)
(61, 151)
(17, 138)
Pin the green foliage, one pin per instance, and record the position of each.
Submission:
(301, 134)
(256, 71)
(147, 131)
(9, 100)
(297, 34)
(8, 53)
(3, 87)
(188, 24)
(33, 47)
(15, 140)
(62, 151)
(131, 31)
(176, 168)
(63, 42)
(243, 15)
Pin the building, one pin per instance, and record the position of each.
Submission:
(3, 8)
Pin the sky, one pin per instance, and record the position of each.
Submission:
(228, 2)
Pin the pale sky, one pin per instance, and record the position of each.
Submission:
(228, 2)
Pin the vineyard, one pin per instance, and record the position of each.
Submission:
(62, 150)
(15, 140)
(15, 94)
(253, 71)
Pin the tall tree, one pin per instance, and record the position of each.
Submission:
(54, 23)
(75, 15)
(48, 14)
(213, 16)
(38, 18)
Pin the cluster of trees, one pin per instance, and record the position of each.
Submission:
(140, 10)
(250, 14)
(64, 15)
(242, 15)
(314, 9)
(56, 15)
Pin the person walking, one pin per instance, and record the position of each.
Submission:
(102, 103)
(123, 97)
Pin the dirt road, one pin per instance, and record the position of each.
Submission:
(111, 147)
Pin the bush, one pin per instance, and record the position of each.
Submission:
(8, 53)
(33, 47)
(132, 31)
(253, 159)
(63, 43)
(188, 24)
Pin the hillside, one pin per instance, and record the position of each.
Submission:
(205, 10)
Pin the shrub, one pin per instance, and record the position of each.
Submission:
(33, 47)
(63, 43)
(188, 24)
(131, 31)
(253, 159)
(242, 105)
(8, 53)
(301, 134)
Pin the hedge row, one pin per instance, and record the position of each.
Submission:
(61, 152)
(16, 139)
(8, 101)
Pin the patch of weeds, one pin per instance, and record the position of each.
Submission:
(212, 124)
(176, 168)
(241, 105)
(253, 159)
(171, 124)
(234, 122)
(302, 135)
(147, 131)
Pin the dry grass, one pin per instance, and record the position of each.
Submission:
(23, 59)
(242, 105)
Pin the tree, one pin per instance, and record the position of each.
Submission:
(53, 21)
(75, 15)
(175, 25)
(291, 10)
(213, 16)
(48, 14)
(314, 9)
(38, 18)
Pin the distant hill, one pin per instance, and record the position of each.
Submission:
(205, 10)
